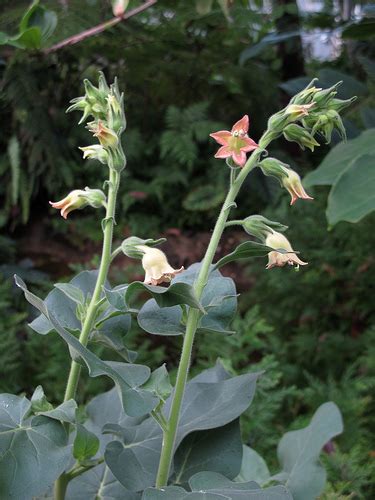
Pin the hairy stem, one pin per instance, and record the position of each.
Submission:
(194, 315)
(75, 368)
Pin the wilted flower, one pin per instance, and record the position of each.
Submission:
(292, 182)
(95, 152)
(235, 143)
(156, 266)
(105, 135)
(276, 259)
(79, 198)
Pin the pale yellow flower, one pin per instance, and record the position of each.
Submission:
(156, 266)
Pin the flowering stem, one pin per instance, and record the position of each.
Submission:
(194, 315)
(75, 368)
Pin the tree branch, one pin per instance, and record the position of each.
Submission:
(99, 28)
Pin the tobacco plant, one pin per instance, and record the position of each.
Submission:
(144, 438)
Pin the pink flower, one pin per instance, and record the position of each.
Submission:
(235, 143)
(292, 182)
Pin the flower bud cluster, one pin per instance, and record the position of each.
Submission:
(316, 110)
(105, 104)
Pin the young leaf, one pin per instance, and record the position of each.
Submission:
(39, 401)
(159, 383)
(86, 444)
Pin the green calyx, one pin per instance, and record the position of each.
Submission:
(129, 246)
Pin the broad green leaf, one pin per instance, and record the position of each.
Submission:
(353, 195)
(214, 486)
(219, 300)
(218, 484)
(160, 320)
(127, 377)
(34, 451)
(99, 482)
(299, 451)
(177, 293)
(339, 158)
(110, 330)
(253, 467)
(110, 327)
(86, 444)
(62, 307)
(244, 250)
(206, 405)
(209, 451)
(72, 292)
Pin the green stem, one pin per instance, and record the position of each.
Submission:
(75, 368)
(194, 315)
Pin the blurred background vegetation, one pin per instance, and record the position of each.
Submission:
(190, 68)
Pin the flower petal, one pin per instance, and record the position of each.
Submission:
(239, 158)
(221, 137)
(242, 124)
(249, 146)
(223, 152)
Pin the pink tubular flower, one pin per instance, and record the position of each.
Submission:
(235, 143)
(156, 266)
(292, 182)
(74, 200)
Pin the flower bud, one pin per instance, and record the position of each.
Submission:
(130, 246)
(306, 95)
(156, 266)
(106, 136)
(277, 259)
(115, 105)
(274, 168)
(290, 114)
(292, 183)
(261, 227)
(340, 104)
(78, 199)
(117, 159)
(95, 152)
(324, 96)
(296, 133)
(119, 7)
